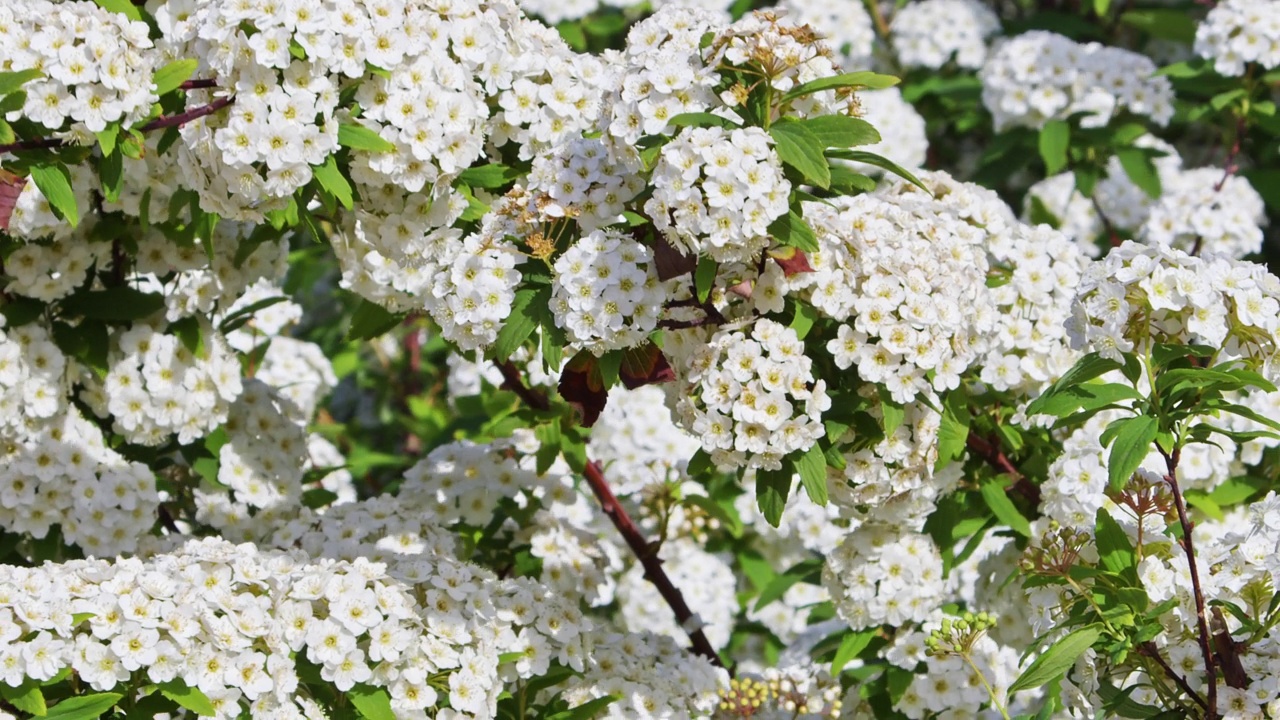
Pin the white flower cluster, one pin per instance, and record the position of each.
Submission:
(884, 575)
(706, 580)
(96, 65)
(752, 397)
(1040, 269)
(1237, 32)
(1040, 76)
(901, 128)
(1138, 295)
(636, 439)
(237, 622)
(893, 482)
(661, 73)
(262, 458)
(932, 33)
(33, 378)
(464, 482)
(1070, 211)
(606, 293)
(158, 386)
(716, 192)
(1124, 204)
(587, 179)
(906, 275)
(576, 562)
(66, 475)
(1207, 211)
(193, 284)
(949, 687)
(845, 26)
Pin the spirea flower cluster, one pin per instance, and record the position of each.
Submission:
(1140, 295)
(715, 192)
(752, 396)
(606, 293)
(1040, 76)
(1209, 211)
(587, 179)
(932, 33)
(883, 574)
(96, 66)
(1238, 32)
(845, 26)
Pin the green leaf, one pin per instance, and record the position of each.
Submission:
(371, 320)
(119, 304)
(772, 488)
(798, 147)
(1100, 7)
(704, 277)
(522, 321)
(792, 230)
(993, 493)
(84, 707)
(881, 162)
(27, 697)
(1131, 445)
(358, 137)
(862, 79)
(841, 131)
(111, 174)
(333, 181)
(610, 365)
(1186, 70)
(812, 466)
(190, 698)
(850, 645)
(803, 319)
(1057, 659)
(316, 498)
(586, 711)
(493, 175)
(953, 431)
(12, 81)
(1173, 24)
(848, 182)
(107, 138)
(1086, 368)
(1055, 138)
(171, 76)
(701, 119)
(803, 571)
(1141, 170)
(572, 33)
(1115, 552)
(371, 702)
(124, 7)
(54, 182)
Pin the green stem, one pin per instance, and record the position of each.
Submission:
(995, 700)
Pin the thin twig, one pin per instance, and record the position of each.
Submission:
(159, 123)
(617, 514)
(994, 456)
(1202, 617)
(1150, 650)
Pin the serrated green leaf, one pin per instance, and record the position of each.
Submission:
(371, 320)
(1115, 552)
(27, 697)
(704, 277)
(373, 703)
(12, 81)
(850, 645)
(997, 500)
(812, 467)
(333, 181)
(953, 430)
(111, 175)
(358, 137)
(798, 147)
(522, 321)
(1141, 170)
(190, 698)
(54, 182)
(772, 488)
(1129, 448)
(841, 131)
(1057, 659)
(493, 175)
(861, 79)
(791, 229)
(1055, 138)
(84, 707)
(171, 76)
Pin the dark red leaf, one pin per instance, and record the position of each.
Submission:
(670, 262)
(582, 386)
(10, 188)
(793, 261)
(645, 365)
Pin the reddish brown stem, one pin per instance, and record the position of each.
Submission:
(1202, 616)
(617, 514)
(1150, 650)
(649, 560)
(993, 455)
(159, 123)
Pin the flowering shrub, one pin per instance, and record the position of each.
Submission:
(477, 359)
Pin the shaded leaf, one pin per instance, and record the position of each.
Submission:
(171, 76)
(1057, 659)
(54, 182)
(801, 149)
